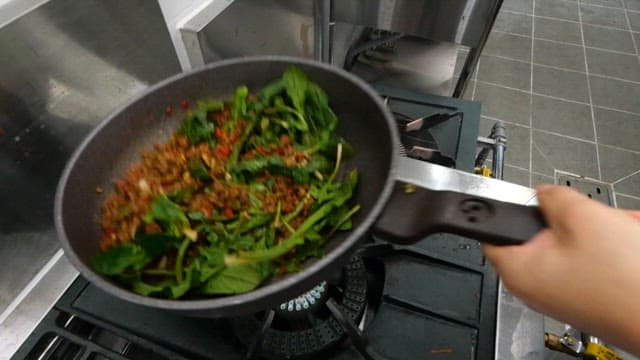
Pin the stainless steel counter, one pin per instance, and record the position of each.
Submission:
(519, 330)
(64, 66)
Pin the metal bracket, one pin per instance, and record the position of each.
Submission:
(594, 189)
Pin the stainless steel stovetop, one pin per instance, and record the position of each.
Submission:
(33, 304)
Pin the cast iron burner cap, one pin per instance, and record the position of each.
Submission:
(294, 331)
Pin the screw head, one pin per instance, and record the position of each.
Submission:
(475, 210)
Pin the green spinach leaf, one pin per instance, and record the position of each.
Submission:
(239, 104)
(296, 83)
(318, 110)
(147, 289)
(198, 170)
(155, 245)
(181, 196)
(168, 214)
(272, 89)
(197, 128)
(235, 279)
(118, 259)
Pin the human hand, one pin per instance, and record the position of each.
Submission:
(584, 269)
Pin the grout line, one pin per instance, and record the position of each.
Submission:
(512, 33)
(566, 136)
(561, 68)
(626, 15)
(475, 83)
(541, 174)
(556, 98)
(602, 6)
(567, 69)
(504, 86)
(614, 78)
(565, 43)
(629, 196)
(516, 167)
(546, 159)
(593, 117)
(514, 12)
(594, 5)
(618, 110)
(567, 20)
(606, 50)
(493, 118)
(542, 95)
(558, 42)
(635, 152)
(572, 44)
(559, 98)
(627, 176)
(524, 169)
(507, 58)
(533, 31)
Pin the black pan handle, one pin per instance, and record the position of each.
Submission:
(414, 212)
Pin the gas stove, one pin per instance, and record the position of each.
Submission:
(435, 299)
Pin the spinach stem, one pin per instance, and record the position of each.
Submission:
(233, 160)
(180, 258)
(159, 272)
(338, 161)
(343, 220)
(298, 208)
(295, 239)
(286, 224)
(276, 221)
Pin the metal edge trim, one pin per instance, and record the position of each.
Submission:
(30, 286)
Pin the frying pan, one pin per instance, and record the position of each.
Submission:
(364, 121)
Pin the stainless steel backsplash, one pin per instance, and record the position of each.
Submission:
(63, 67)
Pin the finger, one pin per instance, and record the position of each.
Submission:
(559, 205)
(634, 214)
(501, 256)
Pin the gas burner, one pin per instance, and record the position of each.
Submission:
(436, 298)
(294, 331)
(310, 301)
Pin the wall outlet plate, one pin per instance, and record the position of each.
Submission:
(594, 189)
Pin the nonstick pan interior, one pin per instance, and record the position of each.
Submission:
(106, 152)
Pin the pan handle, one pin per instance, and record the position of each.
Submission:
(414, 212)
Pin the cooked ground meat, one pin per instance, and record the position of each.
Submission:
(164, 170)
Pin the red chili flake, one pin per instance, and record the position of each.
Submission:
(219, 133)
(207, 210)
(234, 137)
(227, 212)
(168, 110)
(282, 270)
(223, 151)
(184, 104)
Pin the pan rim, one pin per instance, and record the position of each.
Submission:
(219, 304)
